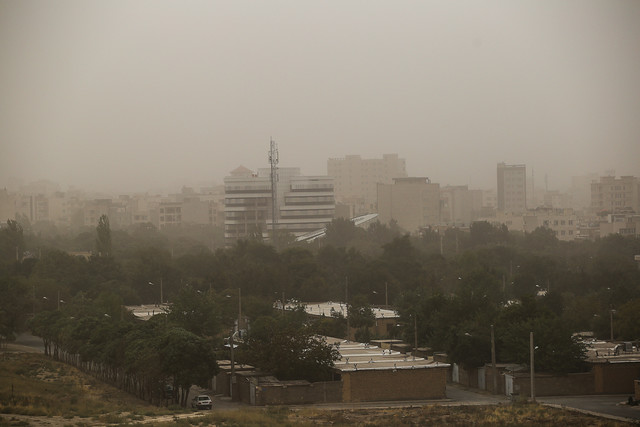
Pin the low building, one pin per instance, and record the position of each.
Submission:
(369, 373)
(385, 319)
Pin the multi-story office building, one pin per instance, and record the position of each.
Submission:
(304, 203)
(308, 204)
(247, 204)
(413, 202)
(356, 179)
(512, 188)
(616, 195)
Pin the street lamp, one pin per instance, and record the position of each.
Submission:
(153, 284)
(611, 313)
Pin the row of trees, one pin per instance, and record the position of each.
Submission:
(457, 284)
(143, 358)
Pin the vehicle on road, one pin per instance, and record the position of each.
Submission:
(201, 402)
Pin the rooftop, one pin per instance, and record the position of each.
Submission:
(356, 356)
(339, 308)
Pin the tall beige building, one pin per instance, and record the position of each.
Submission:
(616, 195)
(356, 179)
(412, 202)
(512, 188)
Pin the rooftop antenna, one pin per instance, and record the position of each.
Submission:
(273, 161)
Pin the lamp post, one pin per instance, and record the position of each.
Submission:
(611, 312)
(533, 370)
(153, 284)
(493, 362)
(232, 345)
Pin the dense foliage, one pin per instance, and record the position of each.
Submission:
(451, 288)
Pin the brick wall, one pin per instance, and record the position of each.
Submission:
(403, 384)
(616, 378)
(278, 394)
(556, 385)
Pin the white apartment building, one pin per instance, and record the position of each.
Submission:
(356, 179)
(512, 188)
(616, 195)
(563, 222)
(623, 224)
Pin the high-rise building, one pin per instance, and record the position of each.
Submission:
(247, 204)
(512, 188)
(304, 203)
(616, 195)
(413, 202)
(356, 179)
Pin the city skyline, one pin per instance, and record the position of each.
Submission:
(122, 97)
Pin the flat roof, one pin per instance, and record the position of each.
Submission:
(147, 311)
(356, 356)
(330, 307)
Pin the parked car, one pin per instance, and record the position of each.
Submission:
(201, 402)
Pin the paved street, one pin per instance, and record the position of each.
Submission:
(613, 405)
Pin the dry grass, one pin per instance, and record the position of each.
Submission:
(32, 384)
(55, 394)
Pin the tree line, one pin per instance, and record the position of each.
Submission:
(453, 285)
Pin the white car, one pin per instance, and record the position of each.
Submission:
(201, 402)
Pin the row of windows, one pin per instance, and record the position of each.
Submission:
(561, 222)
(170, 218)
(171, 210)
(249, 201)
(310, 212)
(309, 200)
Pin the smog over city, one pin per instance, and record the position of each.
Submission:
(123, 96)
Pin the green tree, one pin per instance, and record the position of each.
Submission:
(103, 240)
(289, 350)
(12, 242)
(195, 312)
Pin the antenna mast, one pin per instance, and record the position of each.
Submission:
(273, 161)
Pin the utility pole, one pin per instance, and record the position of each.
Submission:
(493, 362)
(233, 366)
(611, 322)
(346, 305)
(239, 310)
(415, 334)
(533, 369)
(273, 161)
(386, 295)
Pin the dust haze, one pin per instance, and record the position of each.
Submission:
(134, 96)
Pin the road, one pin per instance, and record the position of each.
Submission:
(614, 406)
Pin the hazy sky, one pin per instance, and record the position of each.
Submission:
(138, 95)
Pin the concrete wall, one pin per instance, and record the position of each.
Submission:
(616, 378)
(282, 394)
(556, 385)
(404, 384)
(468, 377)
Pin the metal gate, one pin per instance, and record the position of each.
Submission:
(482, 379)
(508, 384)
